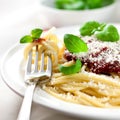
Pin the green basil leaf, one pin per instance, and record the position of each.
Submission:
(71, 69)
(101, 27)
(74, 43)
(36, 33)
(109, 33)
(26, 39)
(89, 28)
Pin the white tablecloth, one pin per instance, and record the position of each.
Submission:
(12, 25)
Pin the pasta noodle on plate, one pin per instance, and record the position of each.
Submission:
(86, 87)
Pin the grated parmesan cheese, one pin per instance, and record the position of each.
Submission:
(102, 57)
(110, 51)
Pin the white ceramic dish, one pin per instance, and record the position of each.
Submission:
(59, 17)
(12, 72)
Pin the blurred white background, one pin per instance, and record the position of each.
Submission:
(9, 6)
(17, 11)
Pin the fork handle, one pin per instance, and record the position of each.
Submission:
(25, 109)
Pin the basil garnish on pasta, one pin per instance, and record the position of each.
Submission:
(26, 39)
(35, 34)
(75, 44)
(89, 28)
(109, 33)
(103, 32)
(71, 69)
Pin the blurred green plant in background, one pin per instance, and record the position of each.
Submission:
(81, 4)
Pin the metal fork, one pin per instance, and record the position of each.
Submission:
(32, 77)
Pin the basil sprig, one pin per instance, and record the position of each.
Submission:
(67, 70)
(74, 43)
(26, 39)
(89, 28)
(35, 34)
(109, 33)
(103, 32)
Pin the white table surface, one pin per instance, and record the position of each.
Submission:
(11, 29)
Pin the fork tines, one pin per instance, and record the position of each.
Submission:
(33, 70)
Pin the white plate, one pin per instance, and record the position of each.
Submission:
(12, 71)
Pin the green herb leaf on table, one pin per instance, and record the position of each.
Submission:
(75, 44)
(35, 33)
(109, 33)
(67, 70)
(89, 28)
(26, 39)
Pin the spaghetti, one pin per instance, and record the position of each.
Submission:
(85, 87)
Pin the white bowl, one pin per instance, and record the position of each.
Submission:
(58, 17)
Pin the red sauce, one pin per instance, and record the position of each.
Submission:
(39, 40)
(98, 67)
